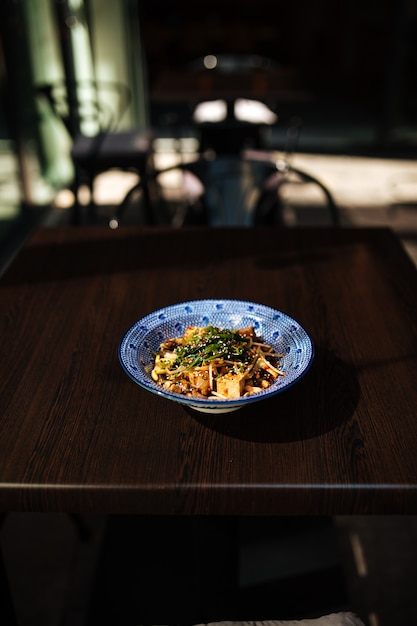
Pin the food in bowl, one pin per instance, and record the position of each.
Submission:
(219, 363)
(141, 343)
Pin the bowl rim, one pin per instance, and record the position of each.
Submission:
(148, 384)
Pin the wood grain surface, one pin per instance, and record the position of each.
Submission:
(76, 434)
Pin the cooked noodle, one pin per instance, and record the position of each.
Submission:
(216, 363)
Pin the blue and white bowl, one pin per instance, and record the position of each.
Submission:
(142, 340)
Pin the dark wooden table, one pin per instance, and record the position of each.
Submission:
(77, 435)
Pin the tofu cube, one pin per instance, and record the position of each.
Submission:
(231, 385)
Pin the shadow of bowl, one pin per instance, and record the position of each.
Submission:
(323, 400)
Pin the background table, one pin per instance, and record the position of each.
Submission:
(77, 435)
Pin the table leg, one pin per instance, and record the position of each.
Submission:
(164, 570)
(7, 612)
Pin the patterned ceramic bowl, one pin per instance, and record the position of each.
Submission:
(142, 340)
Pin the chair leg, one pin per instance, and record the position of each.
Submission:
(330, 200)
(147, 203)
(215, 574)
(76, 210)
(92, 207)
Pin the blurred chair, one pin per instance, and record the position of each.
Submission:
(229, 190)
(97, 145)
(235, 181)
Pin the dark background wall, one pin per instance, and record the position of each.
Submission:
(363, 51)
